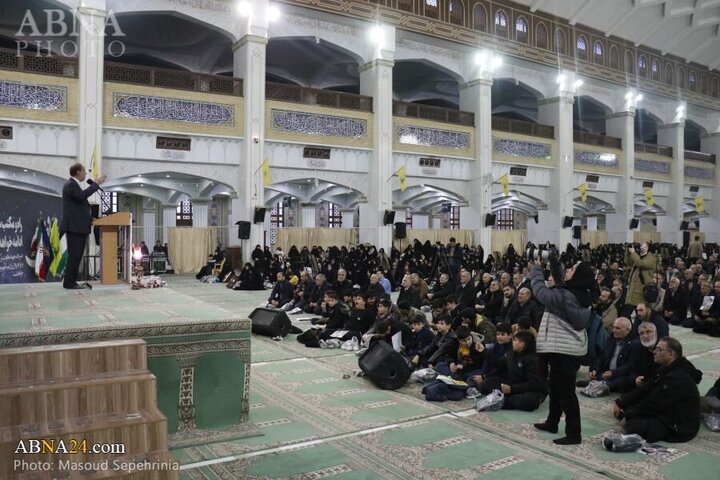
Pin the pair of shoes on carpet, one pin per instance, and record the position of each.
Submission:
(278, 338)
(330, 343)
(567, 440)
(351, 345)
(472, 393)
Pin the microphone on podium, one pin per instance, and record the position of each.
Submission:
(91, 182)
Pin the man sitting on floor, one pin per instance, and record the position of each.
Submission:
(612, 366)
(282, 293)
(667, 407)
(642, 362)
(442, 349)
(645, 314)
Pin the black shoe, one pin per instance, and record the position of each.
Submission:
(582, 383)
(77, 286)
(545, 427)
(568, 441)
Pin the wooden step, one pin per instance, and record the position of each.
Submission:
(148, 433)
(48, 362)
(84, 397)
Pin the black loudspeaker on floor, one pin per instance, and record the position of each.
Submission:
(384, 366)
(270, 322)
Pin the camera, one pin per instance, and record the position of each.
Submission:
(543, 252)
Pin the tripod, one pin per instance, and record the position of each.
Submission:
(441, 261)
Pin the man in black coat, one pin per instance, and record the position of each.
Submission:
(613, 364)
(666, 408)
(76, 220)
(465, 292)
(281, 293)
(675, 303)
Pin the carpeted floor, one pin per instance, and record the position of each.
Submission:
(318, 424)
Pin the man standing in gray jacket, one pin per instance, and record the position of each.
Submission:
(562, 339)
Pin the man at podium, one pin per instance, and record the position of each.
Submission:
(76, 220)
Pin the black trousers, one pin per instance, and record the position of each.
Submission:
(651, 429)
(563, 371)
(76, 250)
(528, 401)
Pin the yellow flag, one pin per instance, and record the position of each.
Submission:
(700, 204)
(583, 192)
(265, 168)
(94, 169)
(402, 174)
(505, 182)
(649, 197)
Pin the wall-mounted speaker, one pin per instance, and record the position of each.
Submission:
(389, 217)
(567, 222)
(654, 222)
(490, 219)
(6, 133)
(400, 230)
(577, 232)
(536, 217)
(634, 223)
(259, 216)
(243, 230)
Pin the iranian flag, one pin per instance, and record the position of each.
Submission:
(59, 250)
(32, 254)
(44, 255)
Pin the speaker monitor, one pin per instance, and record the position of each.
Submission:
(577, 232)
(259, 215)
(243, 230)
(567, 222)
(384, 366)
(400, 230)
(634, 223)
(490, 219)
(270, 322)
(684, 225)
(536, 217)
(654, 222)
(389, 217)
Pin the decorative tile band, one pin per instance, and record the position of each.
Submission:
(172, 110)
(697, 172)
(652, 166)
(522, 149)
(318, 124)
(432, 137)
(597, 159)
(33, 97)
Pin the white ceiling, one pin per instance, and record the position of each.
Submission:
(689, 29)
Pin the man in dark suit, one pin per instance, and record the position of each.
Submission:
(76, 220)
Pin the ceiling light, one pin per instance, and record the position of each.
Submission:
(577, 84)
(167, 176)
(273, 13)
(496, 61)
(244, 8)
(377, 34)
(560, 78)
(142, 185)
(680, 109)
(638, 98)
(628, 95)
(24, 169)
(139, 176)
(480, 58)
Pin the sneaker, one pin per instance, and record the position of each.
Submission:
(355, 344)
(472, 392)
(295, 310)
(286, 307)
(347, 345)
(334, 343)
(323, 344)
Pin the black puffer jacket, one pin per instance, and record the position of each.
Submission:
(672, 397)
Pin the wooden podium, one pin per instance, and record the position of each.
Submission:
(110, 227)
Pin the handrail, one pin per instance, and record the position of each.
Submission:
(287, 92)
(699, 156)
(522, 127)
(36, 63)
(655, 149)
(429, 112)
(598, 140)
(177, 79)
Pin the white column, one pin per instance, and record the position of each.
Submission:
(376, 81)
(249, 60)
(200, 212)
(558, 112)
(307, 215)
(348, 218)
(710, 143)
(91, 23)
(622, 125)
(169, 213)
(673, 135)
(475, 97)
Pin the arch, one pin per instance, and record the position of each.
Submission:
(456, 12)
(593, 206)
(629, 62)
(560, 41)
(440, 63)
(581, 48)
(614, 57)
(521, 29)
(327, 41)
(216, 21)
(669, 74)
(501, 23)
(541, 36)
(313, 190)
(426, 197)
(519, 201)
(715, 87)
(589, 114)
(641, 208)
(682, 78)
(655, 70)
(169, 187)
(703, 84)
(535, 86)
(27, 179)
(692, 80)
(430, 8)
(646, 123)
(642, 66)
(480, 18)
(598, 52)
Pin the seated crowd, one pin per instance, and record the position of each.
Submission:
(482, 323)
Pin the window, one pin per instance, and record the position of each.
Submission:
(703, 84)
(408, 217)
(598, 52)
(521, 30)
(505, 219)
(692, 81)
(681, 77)
(655, 70)
(455, 217)
(109, 203)
(456, 12)
(629, 62)
(541, 39)
(560, 42)
(642, 66)
(277, 215)
(184, 214)
(479, 18)
(501, 23)
(669, 77)
(614, 57)
(431, 8)
(334, 216)
(405, 5)
(715, 89)
(581, 48)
